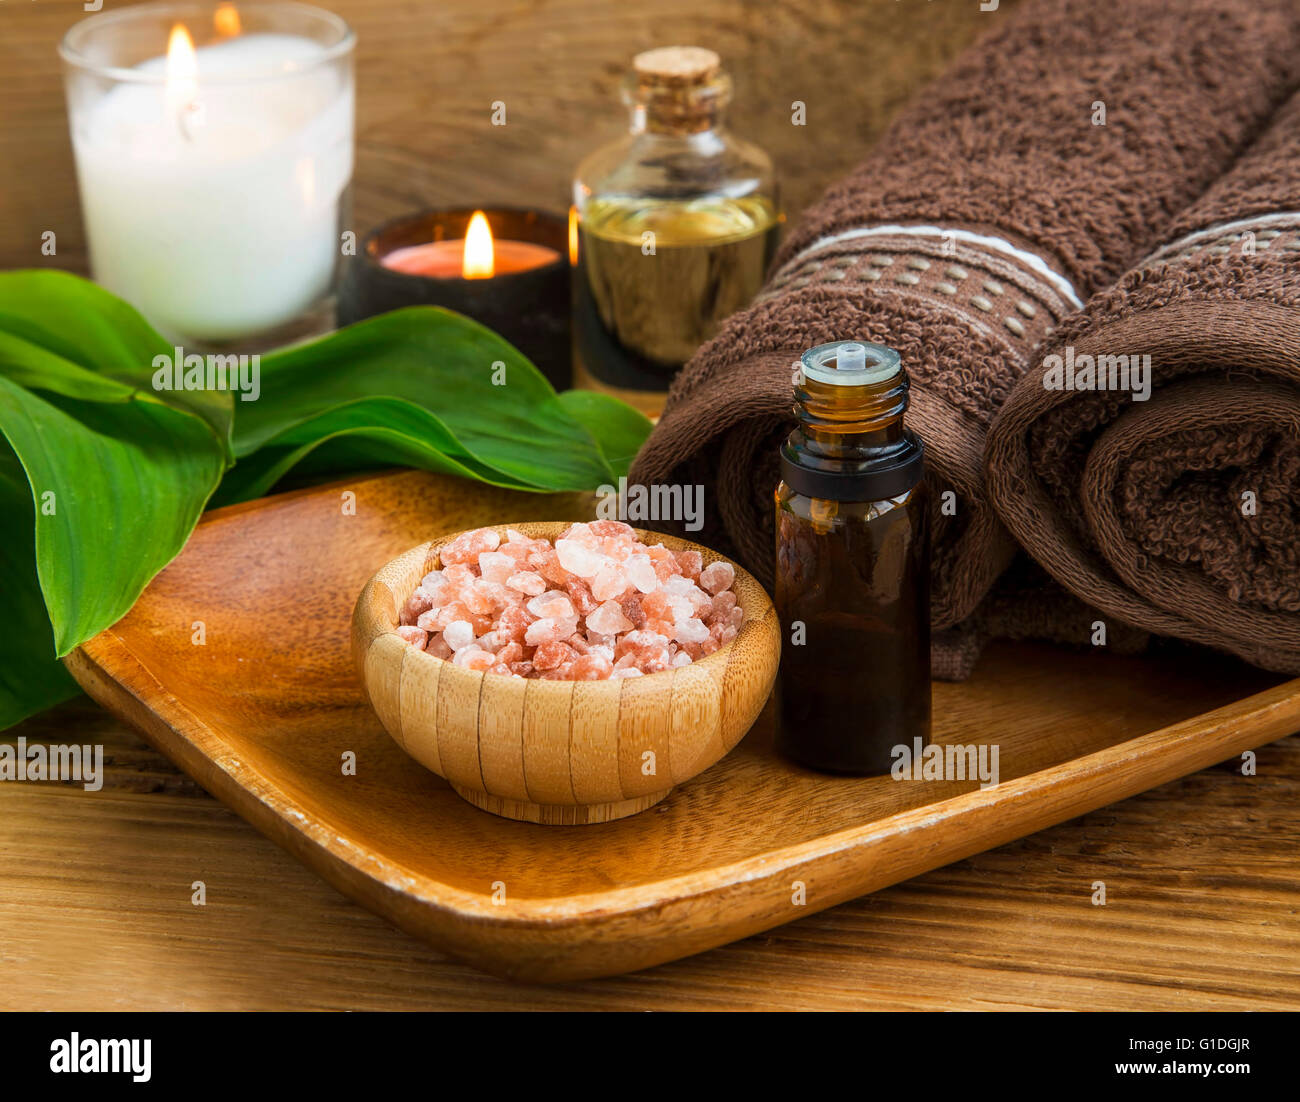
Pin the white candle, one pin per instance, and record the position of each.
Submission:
(212, 185)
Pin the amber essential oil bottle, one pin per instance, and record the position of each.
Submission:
(852, 566)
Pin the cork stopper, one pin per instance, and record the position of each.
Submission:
(678, 89)
(676, 65)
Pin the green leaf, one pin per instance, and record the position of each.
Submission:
(119, 473)
(31, 678)
(375, 432)
(494, 411)
(53, 323)
(118, 489)
(617, 428)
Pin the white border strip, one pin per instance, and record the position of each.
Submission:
(1219, 231)
(1063, 285)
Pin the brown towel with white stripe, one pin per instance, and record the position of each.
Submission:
(1151, 461)
(1052, 155)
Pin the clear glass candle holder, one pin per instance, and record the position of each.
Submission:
(214, 148)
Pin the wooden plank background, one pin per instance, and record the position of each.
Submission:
(428, 73)
(95, 908)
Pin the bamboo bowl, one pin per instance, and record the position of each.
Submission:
(564, 752)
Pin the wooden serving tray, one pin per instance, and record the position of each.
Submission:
(264, 711)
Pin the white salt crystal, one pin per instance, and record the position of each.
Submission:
(641, 573)
(578, 558)
(459, 634)
(690, 631)
(678, 585)
(682, 609)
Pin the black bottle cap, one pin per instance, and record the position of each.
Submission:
(892, 478)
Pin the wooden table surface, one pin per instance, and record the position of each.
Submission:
(1202, 912)
(95, 913)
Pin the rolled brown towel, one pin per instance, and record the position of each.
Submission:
(989, 210)
(1179, 514)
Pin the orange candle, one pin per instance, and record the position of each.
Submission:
(475, 256)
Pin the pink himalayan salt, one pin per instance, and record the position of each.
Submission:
(547, 564)
(664, 562)
(612, 529)
(549, 630)
(482, 597)
(723, 603)
(600, 604)
(581, 597)
(513, 623)
(581, 533)
(717, 576)
(495, 566)
(691, 563)
(468, 546)
(552, 604)
(472, 658)
(417, 637)
(528, 582)
(416, 605)
(552, 654)
(701, 650)
(592, 667)
(631, 604)
(610, 581)
(608, 619)
(491, 642)
(458, 574)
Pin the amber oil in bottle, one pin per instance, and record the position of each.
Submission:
(852, 566)
(675, 226)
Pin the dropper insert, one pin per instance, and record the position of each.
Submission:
(851, 363)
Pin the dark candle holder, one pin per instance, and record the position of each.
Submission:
(531, 309)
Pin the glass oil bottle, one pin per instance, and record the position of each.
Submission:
(852, 566)
(677, 223)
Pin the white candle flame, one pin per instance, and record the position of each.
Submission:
(181, 86)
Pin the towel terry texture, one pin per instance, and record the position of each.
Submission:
(1054, 154)
(1180, 514)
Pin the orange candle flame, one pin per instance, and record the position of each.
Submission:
(226, 21)
(479, 258)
